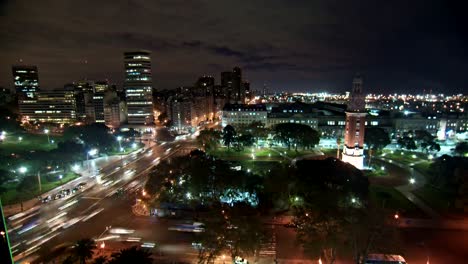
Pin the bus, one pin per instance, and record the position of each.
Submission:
(384, 259)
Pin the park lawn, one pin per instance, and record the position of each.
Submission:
(408, 158)
(11, 195)
(29, 142)
(329, 152)
(396, 201)
(435, 198)
(259, 167)
(246, 153)
(292, 153)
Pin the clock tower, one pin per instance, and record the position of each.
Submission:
(353, 151)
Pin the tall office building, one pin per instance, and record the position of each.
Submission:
(138, 87)
(238, 86)
(353, 151)
(26, 80)
(234, 89)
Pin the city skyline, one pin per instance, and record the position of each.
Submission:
(399, 47)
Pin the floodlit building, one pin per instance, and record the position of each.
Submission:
(243, 114)
(353, 151)
(138, 87)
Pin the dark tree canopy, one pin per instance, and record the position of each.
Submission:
(93, 135)
(376, 138)
(229, 135)
(297, 134)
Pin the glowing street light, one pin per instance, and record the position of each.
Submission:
(20, 138)
(396, 216)
(75, 167)
(119, 138)
(134, 145)
(46, 131)
(412, 181)
(23, 170)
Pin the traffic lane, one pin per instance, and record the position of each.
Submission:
(441, 246)
(137, 165)
(143, 161)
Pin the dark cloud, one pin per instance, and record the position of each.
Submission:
(399, 45)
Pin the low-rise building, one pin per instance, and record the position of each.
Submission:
(243, 114)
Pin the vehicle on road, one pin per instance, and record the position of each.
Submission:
(47, 199)
(196, 227)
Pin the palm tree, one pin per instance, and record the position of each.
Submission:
(131, 255)
(83, 249)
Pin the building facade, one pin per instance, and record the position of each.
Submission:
(138, 88)
(26, 80)
(242, 114)
(58, 106)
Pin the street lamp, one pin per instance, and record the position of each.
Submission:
(46, 131)
(91, 152)
(412, 181)
(23, 169)
(119, 138)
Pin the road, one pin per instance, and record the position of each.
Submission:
(88, 212)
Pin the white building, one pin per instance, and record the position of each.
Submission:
(243, 114)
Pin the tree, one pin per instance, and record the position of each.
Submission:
(229, 135)
(246, 140)
(333, 189)
(100, 260)
(376, 138)
(235, 230)
(461, 148)
(83, 249)
(209, 139)
(131, 255)
(297, 134)
(95, 135)
(258, 130)
(407, 142)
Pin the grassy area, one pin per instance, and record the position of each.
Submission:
(24, 142)
(437, 199)
(405, 157)
(262, 153)
(329, 152)
(231, 154)
(394, 200)
(259, 167)
(11, 196)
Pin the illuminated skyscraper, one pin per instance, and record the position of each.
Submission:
(138, 87)
(353, 151)
(26, 81)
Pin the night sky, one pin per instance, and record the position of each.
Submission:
(291, 45)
